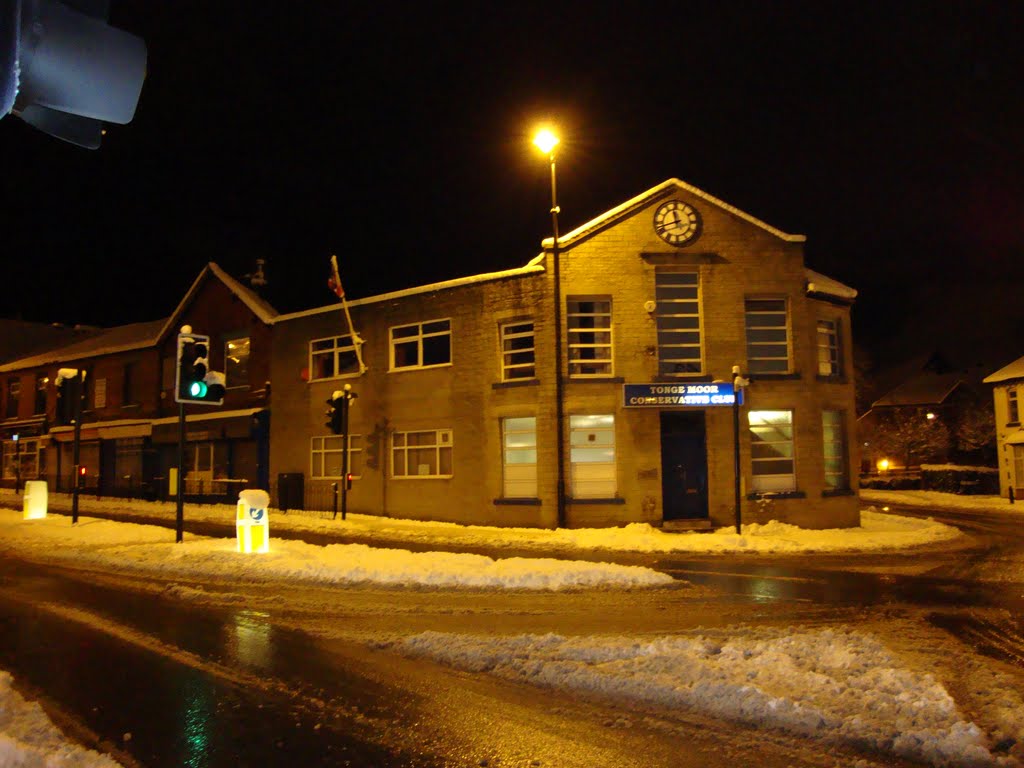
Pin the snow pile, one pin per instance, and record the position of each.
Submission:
(151, 550)
(29, 740)
(837, 685)
(877, 531)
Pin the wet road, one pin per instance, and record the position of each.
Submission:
(158, 682)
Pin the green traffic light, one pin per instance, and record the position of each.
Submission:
(197, 389)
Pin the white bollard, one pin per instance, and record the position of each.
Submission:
(35, 499)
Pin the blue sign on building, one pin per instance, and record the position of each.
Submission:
(669, 395)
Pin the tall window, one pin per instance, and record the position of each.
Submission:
(13, 397)
(834, 438)
(236, 363)
(517, 351)
(829, 360)
(335, 356)
(41, 383)
(519, 457)
(326, 459)
(130, 385)
(592, 456)
(771, 451)
(678, 322)
(421, 345)
(1018, 465)
(767, 336)
(590, 337)
(1012, 406)
(426, 453)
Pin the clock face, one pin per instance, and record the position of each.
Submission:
(677, 223)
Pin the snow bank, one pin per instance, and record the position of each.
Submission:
(151, 550)
(836, 685)
(877, 531)
(29, 740)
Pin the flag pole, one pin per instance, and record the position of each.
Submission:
(335, 283)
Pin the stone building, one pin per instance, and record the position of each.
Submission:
(661, 300)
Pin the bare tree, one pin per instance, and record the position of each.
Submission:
(977, 428)
(910, 435)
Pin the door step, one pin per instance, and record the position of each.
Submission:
(700, 524)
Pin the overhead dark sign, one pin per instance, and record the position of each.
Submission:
(668, 395)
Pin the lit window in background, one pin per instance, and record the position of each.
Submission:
(236, 363)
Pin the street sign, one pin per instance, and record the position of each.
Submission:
(672, 395)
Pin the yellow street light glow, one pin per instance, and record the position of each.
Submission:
(545, 140)
(883, 465)
(929, 416)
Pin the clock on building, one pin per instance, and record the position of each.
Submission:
(677, 223)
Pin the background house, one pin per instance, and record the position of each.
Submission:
(1008, 395)
(129, 428)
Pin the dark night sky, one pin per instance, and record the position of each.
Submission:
(396, 135)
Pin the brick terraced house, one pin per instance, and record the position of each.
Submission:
(129, 433)
(661, 299)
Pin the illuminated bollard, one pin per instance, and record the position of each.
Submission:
(253, 522)
(35, 499)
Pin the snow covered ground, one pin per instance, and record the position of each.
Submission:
(877, 531)
(29, 740)
(937, 500)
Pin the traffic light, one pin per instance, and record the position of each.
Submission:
(348, 482)
(194, 381)
(64, 70)
(335, 415)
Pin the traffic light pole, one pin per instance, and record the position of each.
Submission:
(179, 525)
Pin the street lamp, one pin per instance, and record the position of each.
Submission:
(546, 141)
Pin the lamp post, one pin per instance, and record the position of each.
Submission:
(546, 141)
(738, 384)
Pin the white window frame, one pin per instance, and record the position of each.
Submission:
(764, 477)
(592, 457)
(227, 356)
(1012, 406)
(423, 332)
(441, 446)
(320, 449)
(511, 332)
(595, 348)
(519, 457)
(339, 346)
(755, 320)
(668, 313)
(830, 361)
(834, 442)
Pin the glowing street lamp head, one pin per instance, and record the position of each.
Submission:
(545, 140)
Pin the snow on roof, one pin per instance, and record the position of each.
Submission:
(534, 267)
(257, 305)
(927, 388)
(122, 338)
(20, 338)
(620, 211)
(819, 283)
(1014, 370)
